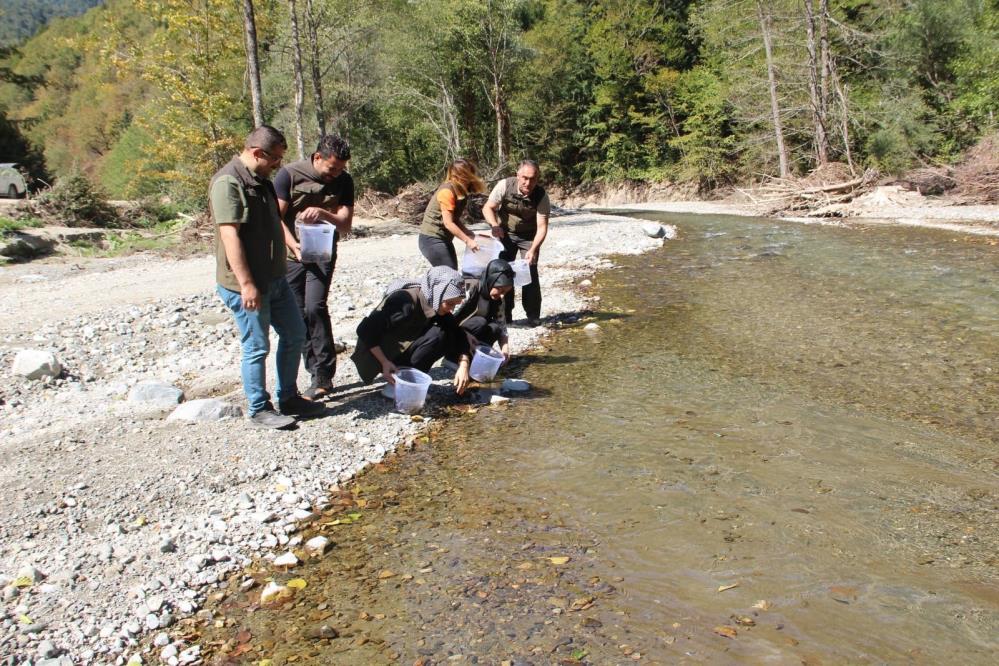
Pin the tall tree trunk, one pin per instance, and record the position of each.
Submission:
(252, 62)
(501, 132)
(299, 83)
(821, 141)
(825, 58)
(774, 103)
(311, 26)
(844, 119)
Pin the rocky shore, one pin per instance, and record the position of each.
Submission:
(121, 519)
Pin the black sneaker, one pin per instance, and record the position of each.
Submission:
(268, 417)
(533, 322)
(300, 407)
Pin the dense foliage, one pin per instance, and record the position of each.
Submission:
(148, 97)
(20, 19)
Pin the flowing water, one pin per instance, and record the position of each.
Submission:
(780, 447)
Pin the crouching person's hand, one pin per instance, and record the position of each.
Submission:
(461, 378)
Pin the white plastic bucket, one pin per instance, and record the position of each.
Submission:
(521, 273)
(473, 263)
(315, 241)
(485, 363)
(411, 387)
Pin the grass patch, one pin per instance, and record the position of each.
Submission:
(8, 225)
(162, 237)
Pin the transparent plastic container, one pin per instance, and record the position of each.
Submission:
(473, 263)
(521, 273)
(411, 387)
(485, 363)
(315, 241)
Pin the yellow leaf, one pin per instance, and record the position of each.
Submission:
(722, 588)
(265, 662)
(22, 581)
(559, 560)
(727, 632)
(24, 619)
(297, 583)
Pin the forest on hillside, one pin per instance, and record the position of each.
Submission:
(149, 97)
(20, 19)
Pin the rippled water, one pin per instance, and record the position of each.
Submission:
(780, 448)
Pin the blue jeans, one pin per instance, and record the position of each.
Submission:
(278, 309)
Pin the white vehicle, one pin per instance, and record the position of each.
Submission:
(12, 183)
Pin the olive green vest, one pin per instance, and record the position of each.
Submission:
(433, 220)
(259, 232)
(518, 213)
(307, 190)
(394, 341)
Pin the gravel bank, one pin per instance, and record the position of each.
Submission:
(117, 521)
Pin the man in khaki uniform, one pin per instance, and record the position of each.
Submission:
(518, 210)
(250, 276)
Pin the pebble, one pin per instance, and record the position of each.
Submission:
(592, 327)
(168, 546)
(287, 560)
(47, 649)
(317, 545)
(155, 394)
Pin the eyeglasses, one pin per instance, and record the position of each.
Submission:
(270, 157)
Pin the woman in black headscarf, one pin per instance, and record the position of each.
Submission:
(482, 314)
(414, 326)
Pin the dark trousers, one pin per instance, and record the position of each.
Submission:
(310, 282)
(484, 331)
(434, 344)
(530, 296)
(438, 252)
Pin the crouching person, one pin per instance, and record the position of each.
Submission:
(414, 327)
(483, 315)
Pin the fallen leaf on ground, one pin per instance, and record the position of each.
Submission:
(722, 588)
(744, 620)
(564, 559)
(386, 573)
(297, 583)
(763, 604)
(727, 632)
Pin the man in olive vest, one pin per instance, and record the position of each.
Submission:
(316, 190)
(250, 272)
(518, 210)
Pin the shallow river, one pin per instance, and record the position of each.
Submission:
(780, 448)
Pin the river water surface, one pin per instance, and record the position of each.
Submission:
(780, 447)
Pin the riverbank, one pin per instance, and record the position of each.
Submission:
(885, 205)
(119, 522)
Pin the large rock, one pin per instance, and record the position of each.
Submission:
(653, 230)
(35, 364)
(155, 394)
(205, 410)
(22, 245)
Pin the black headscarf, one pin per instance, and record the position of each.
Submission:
(498, 273)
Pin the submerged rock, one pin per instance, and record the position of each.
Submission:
(515, 386)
